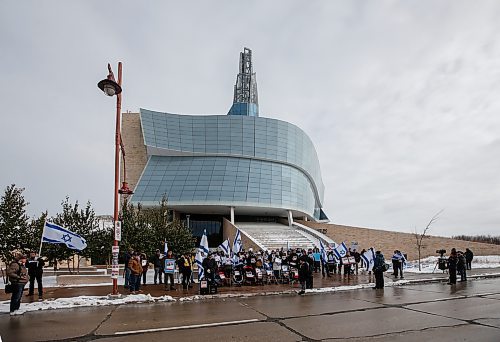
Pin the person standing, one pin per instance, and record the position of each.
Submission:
(184, 263)
(379, 269)
(126, 272)
(145, 266)
(461, 266)
(452, 266)
(35, 272)
(18, 277)
(303, 275)
(135, 273)
(357, 259)
(310, 261)
(398, 261)
(169, 276)
(468, 258)
(158, 266)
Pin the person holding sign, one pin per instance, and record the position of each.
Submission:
(169, 270)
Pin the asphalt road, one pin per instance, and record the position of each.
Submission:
(469, 311)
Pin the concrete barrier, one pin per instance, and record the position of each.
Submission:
(82, 279)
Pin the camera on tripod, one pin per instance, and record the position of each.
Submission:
(441, 252)
(442, 262)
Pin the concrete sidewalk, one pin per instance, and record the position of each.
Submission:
(319, 282)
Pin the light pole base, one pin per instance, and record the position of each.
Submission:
(115, 296)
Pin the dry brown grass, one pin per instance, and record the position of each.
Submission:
(387, 241)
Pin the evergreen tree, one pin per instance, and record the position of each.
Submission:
(13, 223)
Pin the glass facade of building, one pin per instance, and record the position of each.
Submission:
(229, 160)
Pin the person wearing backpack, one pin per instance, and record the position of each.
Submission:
(379, 269)
(18, 277)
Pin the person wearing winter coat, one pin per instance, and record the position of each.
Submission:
(209, 267)
(468, 258)
(398, 260)
(452, 266)
(303, 275)
(135, 273)
(158, 266)
(185, 268)
(35, 272)
(145, 266)
(169, 277)
(379, 269)
(461, 266)
(18, 277)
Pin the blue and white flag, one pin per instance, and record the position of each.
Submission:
(369, 259)
(198, 259)
(323, 251)
(201, 254)
(165, 250)
(204, 243)
(225, 246)
(341, 250)
(52, 233)
(237, 244)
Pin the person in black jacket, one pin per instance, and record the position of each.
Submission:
(35, 272)
(452, 266)
(209, 267)
(378, 270)
(468, 258)
(461, 266)
(158, 266)
(303, 275)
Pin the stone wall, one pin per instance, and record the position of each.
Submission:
(229, 231)
(135, 151)
(388, 241)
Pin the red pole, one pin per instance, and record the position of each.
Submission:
(117, 164)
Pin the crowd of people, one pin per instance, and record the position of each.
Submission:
(247, 267)
(458, 264)
(244, 267)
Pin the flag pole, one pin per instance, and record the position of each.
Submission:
(41, 240)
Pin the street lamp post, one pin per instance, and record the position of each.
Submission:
(110, 87)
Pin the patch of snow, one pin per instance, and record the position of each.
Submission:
(428, 264)
(83, 301)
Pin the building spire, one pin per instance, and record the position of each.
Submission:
(245, 100)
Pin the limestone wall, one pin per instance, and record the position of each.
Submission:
(388, 241)
(135, 151)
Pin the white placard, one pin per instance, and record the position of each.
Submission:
(118, 230)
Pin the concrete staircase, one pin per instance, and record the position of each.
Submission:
(276, 236)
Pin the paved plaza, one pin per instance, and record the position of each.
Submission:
(468, 311)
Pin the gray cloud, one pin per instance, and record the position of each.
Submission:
(400, 98)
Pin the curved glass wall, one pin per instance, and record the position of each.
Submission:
(229, 160)
(224, 181)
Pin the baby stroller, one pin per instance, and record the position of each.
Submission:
(294, 275)
(249, 275)
(238, 275)
(259, 276)
(285, 274)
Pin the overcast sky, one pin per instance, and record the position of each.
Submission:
(401, 98)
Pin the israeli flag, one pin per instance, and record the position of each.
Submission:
(165, 250)
(204, 243)
(323, 251)
(52, 233)
(198, 259)
(341, 250)
(237, 244)
(225, 246)
(369, 259)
